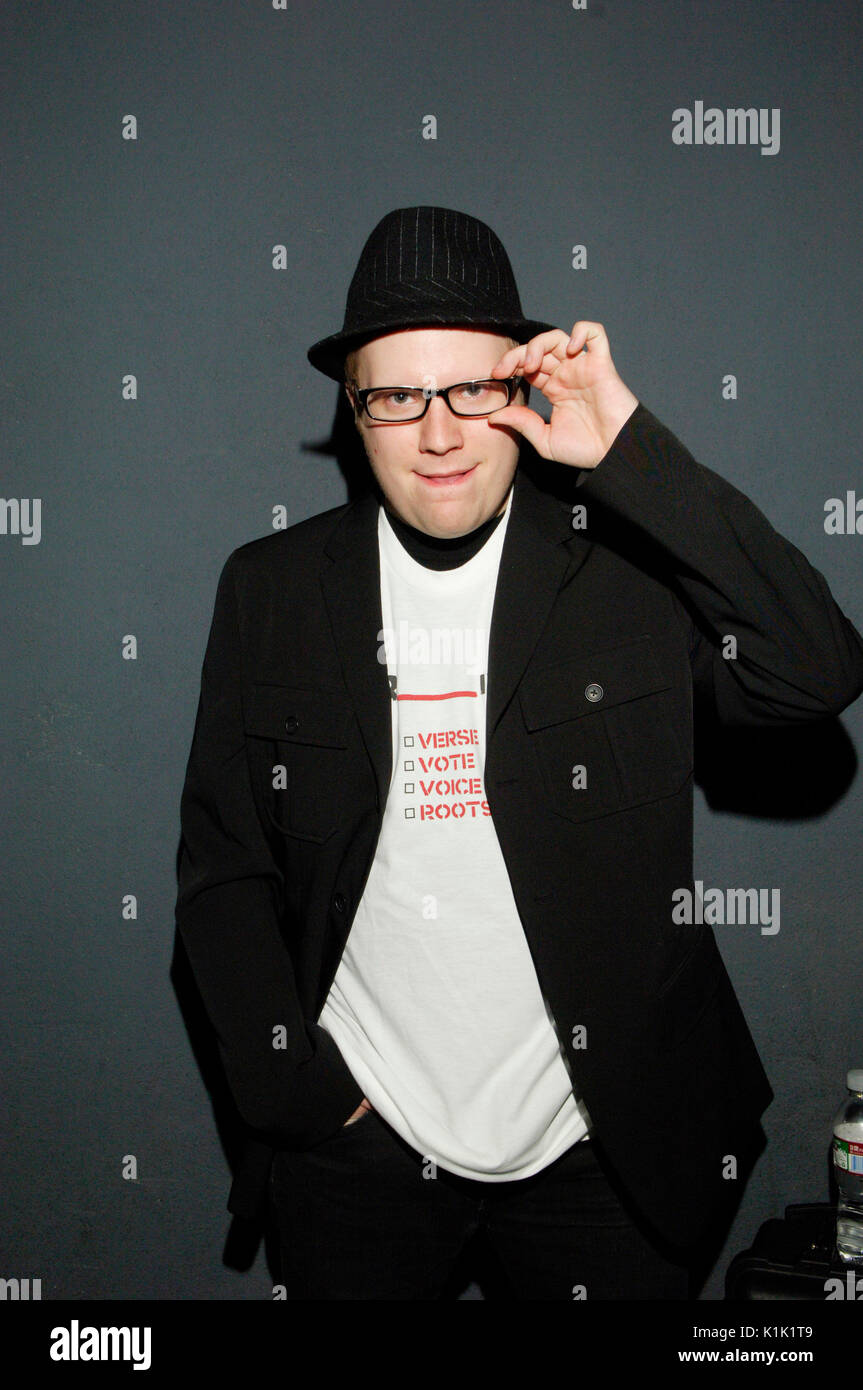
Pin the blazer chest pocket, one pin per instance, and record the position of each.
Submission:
(302, 759)
(602, 726)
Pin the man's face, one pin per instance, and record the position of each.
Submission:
(410, 459)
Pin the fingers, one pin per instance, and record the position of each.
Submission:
(516, 359)
(586, 337)
(525, 421)
(530, 358)
(544, 345)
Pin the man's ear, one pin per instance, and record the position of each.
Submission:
(354, 407)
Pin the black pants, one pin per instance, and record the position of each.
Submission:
(363, 1215)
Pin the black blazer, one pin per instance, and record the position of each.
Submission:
(672, 559)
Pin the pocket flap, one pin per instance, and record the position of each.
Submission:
(592, 681)
(296, 714)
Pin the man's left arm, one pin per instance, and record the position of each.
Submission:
(796, 655)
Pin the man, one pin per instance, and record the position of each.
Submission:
(439, 800)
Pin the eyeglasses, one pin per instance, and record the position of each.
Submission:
(469, 399)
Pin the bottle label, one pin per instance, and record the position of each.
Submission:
(847, 1153)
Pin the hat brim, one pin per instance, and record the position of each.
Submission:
(328, 354)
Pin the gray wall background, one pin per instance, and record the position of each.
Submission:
(302, 126)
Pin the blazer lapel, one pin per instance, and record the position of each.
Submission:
(351, 584)
(540, 552)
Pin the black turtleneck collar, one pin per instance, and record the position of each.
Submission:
(442, 552)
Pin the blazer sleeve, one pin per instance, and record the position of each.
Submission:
(798, 656)
(228, 911)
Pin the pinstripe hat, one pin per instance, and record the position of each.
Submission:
(421, 267)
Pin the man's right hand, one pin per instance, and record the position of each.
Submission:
(361, 1109)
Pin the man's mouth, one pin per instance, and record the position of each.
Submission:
(445, 479)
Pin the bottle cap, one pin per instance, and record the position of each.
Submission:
(855, 1080)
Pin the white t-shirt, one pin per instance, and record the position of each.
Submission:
(436, 1006)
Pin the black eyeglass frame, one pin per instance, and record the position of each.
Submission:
(512, 384)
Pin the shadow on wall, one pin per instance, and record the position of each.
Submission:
(345, 447)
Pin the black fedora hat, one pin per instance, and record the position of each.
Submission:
(422, 267)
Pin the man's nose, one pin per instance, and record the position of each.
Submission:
(440, 430)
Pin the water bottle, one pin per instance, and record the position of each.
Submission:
(848, 1169)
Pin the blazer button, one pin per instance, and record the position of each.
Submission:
(340, 902)
(594, 692)
(291, 723)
